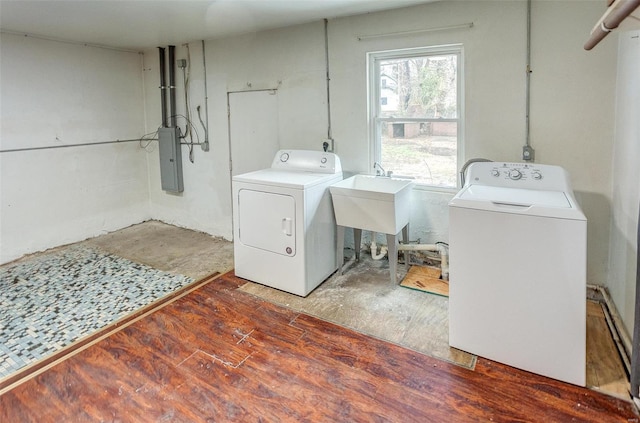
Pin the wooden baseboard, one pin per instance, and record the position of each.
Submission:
(618, 331)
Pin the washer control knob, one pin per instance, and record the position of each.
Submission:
(284, 157)
(536, 175)
(515, 174)
(323, 160)
(495, 172)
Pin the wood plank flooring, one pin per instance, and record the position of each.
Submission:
(426, 278)
(218, 354)
(605, 370)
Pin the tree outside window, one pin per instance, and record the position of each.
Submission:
(415, 113)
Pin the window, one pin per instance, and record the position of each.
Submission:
(415, 110)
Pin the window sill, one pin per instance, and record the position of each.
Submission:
(438, 190)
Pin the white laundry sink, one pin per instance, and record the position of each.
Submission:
(372, 203)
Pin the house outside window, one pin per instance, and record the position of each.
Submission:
(416, 113)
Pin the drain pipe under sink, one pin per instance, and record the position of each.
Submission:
(374, 248)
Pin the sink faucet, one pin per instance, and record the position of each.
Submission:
(380, 170)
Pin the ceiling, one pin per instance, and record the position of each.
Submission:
(140, 24)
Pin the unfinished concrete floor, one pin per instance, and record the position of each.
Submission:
(365, 300)
(169, 248)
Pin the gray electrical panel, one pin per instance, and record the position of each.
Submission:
(170, 159)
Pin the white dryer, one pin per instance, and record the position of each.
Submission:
(517, 290)
(284, 226)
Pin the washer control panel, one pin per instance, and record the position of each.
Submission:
(518, 175)
(307, 161)
(516, 171)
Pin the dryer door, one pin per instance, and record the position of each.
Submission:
(267, 221)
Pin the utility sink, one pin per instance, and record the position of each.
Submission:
(372, 203)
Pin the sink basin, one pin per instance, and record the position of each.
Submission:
(372, 203)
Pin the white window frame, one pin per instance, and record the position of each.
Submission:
(373, 106)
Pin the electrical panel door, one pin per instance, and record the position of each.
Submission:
(170, 159)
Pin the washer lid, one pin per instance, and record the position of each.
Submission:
(515, 196)
(530, 202)
(287, 178)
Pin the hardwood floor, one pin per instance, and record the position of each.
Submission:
(218, 354)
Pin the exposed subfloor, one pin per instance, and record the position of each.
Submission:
(364, 299)
(194, 254)
(169, 248)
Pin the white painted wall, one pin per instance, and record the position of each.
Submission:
(626, 185)
(572, 95)
(57, 94)
(253, 127)
(494, 55)
(290, 60)
(572, 109)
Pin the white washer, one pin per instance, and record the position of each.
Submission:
(284, 226)
(517, 290)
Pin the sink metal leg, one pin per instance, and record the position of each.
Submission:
(405, 239)
(340, 248)
(357, 238)
(392, 248)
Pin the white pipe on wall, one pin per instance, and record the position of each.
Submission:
(441, 249)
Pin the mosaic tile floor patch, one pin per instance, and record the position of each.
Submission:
(51, 301)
